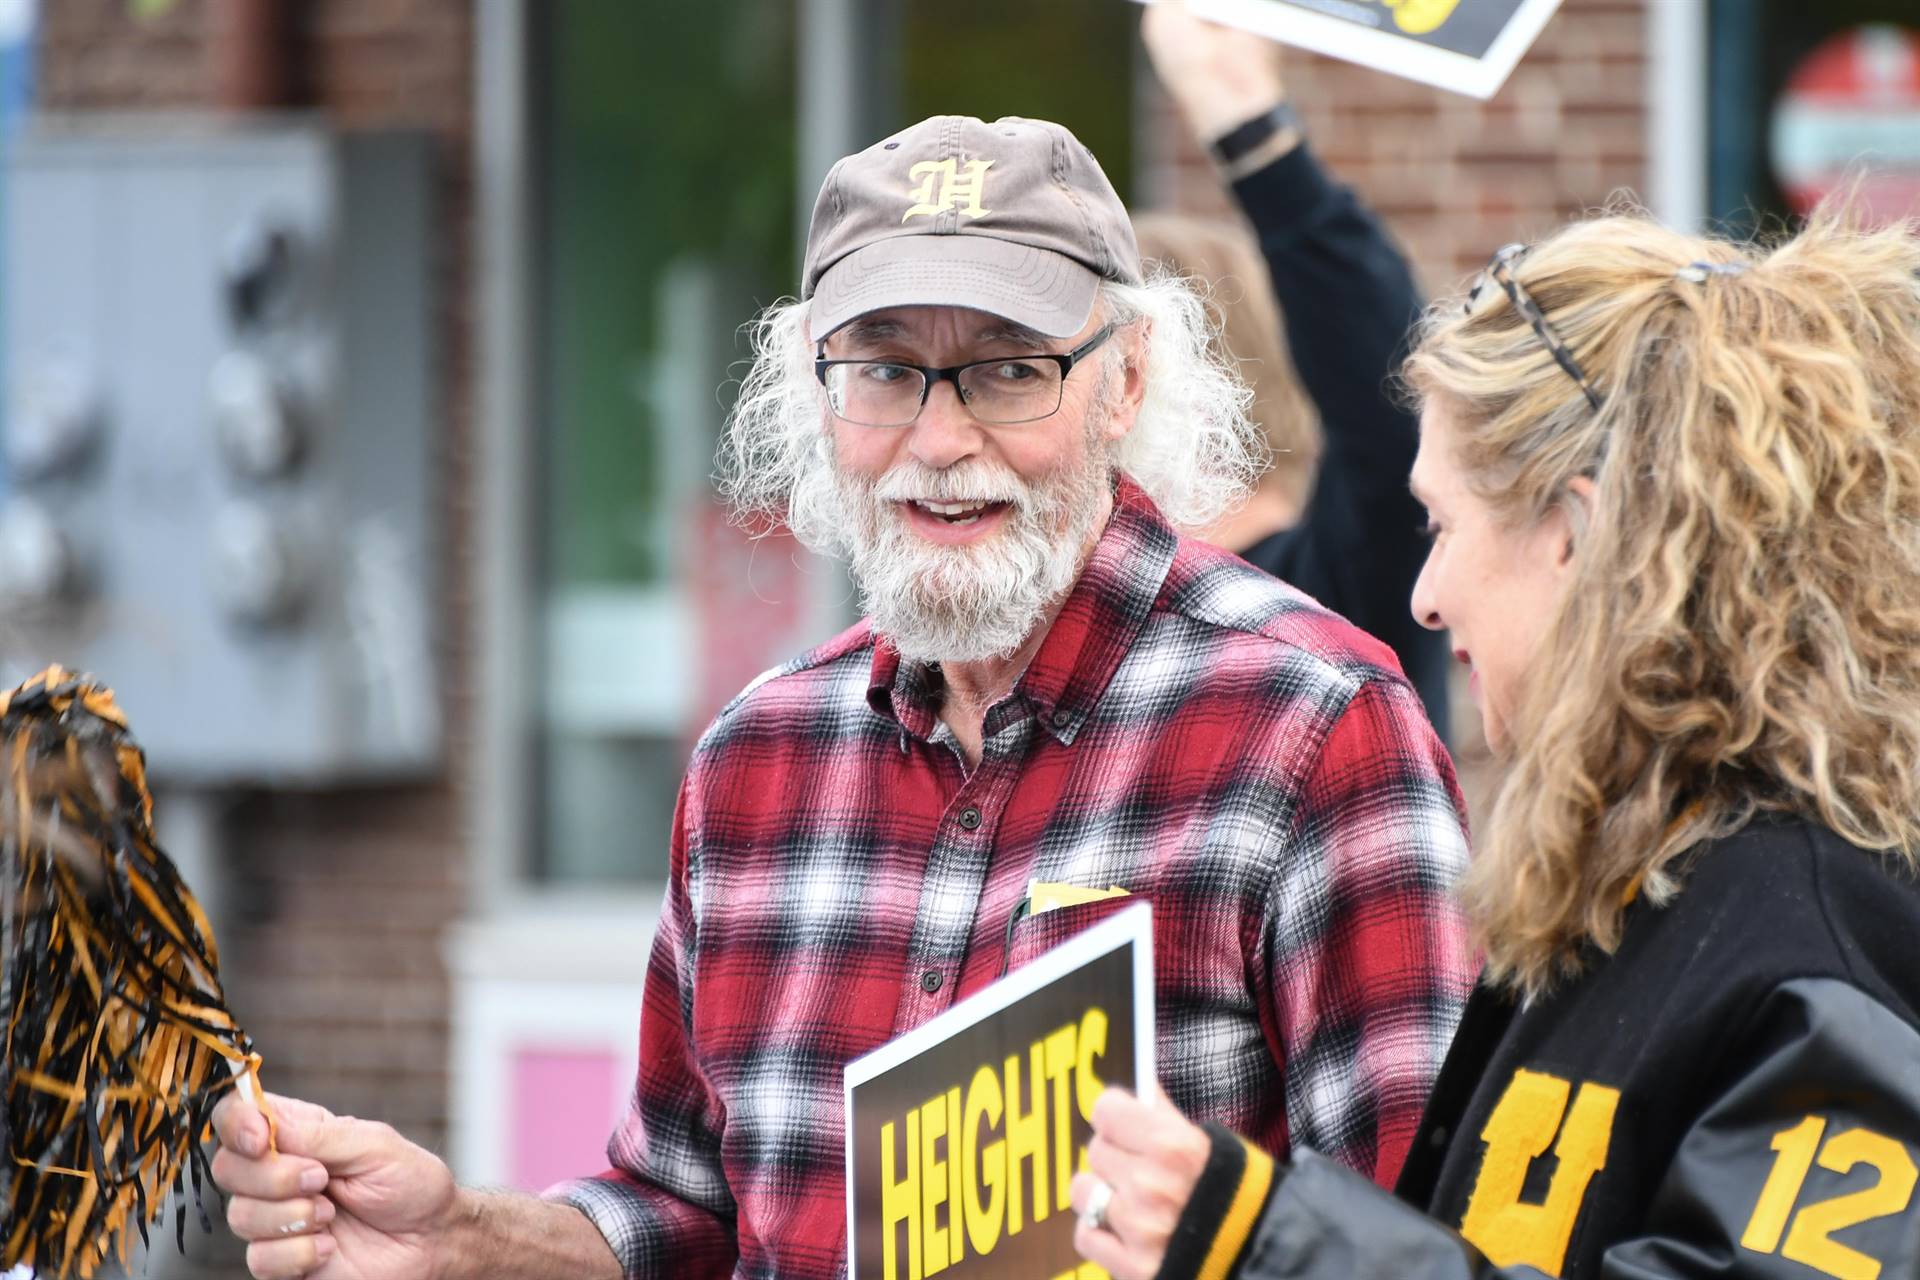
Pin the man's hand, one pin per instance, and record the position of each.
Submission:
(1221, 77)
(1151, 1156)
(342, 1199)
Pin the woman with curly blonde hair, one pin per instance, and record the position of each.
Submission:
(1674, 489)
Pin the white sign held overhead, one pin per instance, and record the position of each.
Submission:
(1467, 46)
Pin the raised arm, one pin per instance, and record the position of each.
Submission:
(1349, 301)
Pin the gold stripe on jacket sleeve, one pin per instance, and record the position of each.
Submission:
(1242, 1215)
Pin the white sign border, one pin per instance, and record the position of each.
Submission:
(1399, 55)
(1132, 924)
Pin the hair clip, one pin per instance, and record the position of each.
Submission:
(1697, 272)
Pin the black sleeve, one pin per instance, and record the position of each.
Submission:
(1803, 1164)
(1349, 301)
(1834, 1079)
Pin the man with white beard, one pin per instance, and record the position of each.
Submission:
(979, 402)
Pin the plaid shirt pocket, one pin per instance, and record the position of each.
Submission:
(1034, 936)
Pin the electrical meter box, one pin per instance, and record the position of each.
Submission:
(218, 493)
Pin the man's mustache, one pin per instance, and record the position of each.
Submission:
(913, 483)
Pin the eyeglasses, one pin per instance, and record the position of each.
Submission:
(1500, 270)
(1000, 391)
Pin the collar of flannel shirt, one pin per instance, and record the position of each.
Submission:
(1103, 614)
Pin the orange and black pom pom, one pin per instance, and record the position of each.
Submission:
(118, 1038)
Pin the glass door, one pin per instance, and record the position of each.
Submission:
(668, 139)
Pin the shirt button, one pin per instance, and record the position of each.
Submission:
(1438, 1138)
(1062, 718)
(930, 981)
(969, 818)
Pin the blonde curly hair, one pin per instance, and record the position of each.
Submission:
(1741, 632)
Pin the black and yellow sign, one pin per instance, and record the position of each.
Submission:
(962, 1135)
(1468, 46)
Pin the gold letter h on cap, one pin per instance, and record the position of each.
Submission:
(956, 192)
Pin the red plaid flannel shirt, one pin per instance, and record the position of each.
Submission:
(1190, 730)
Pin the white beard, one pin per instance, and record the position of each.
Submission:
(967, 603)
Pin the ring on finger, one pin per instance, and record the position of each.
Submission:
(1098, 1201)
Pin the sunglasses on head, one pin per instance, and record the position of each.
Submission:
(1499, 270)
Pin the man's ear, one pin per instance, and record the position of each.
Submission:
(1581, 499)
(1136, 340)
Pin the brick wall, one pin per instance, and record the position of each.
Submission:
(1453, 177)
(339, 901)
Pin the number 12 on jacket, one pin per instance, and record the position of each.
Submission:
(1809, 1239)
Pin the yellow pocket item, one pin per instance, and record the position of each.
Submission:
(1043, 897)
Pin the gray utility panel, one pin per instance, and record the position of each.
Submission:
(218, 492)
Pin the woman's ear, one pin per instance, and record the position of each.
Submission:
(1582, 496)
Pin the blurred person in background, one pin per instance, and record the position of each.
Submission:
(1333, 516)
(999, 420)
(1674, 488)
(1223, 261)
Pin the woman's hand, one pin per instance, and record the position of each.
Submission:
(1221, 77)
(1150, 1156)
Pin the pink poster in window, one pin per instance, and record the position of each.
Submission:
(563, 1104)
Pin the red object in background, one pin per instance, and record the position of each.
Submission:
(749, 602)
(1852, 108)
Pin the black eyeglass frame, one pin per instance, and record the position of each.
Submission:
(1500, 270)
(931, 376)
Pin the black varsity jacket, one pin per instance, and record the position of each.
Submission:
(1734, 1092)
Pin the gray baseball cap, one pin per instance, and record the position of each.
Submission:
(1014, 218)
